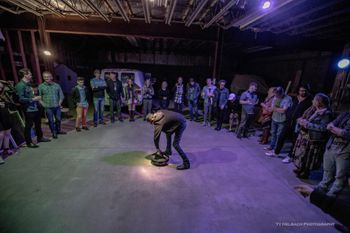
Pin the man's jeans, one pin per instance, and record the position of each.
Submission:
(193, 106)
(335, 166)
(276, 131)
(55, 124)
(246, 121)
(207, 113)
(99, 105)
(176, 144)
(147, 107)
(114, 105)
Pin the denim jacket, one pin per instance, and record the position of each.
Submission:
(224, 93)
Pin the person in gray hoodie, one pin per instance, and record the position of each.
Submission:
(193, 92)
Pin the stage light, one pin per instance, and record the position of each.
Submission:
(47, 53)
(344, 63)
(266, 5)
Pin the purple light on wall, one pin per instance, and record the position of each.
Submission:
(266, 5)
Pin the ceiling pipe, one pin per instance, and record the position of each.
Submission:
(208, 9)
(122, 10)
(172, 7)
(95, 8)
(46, 7)
(195, 13)
(146, 11)
(23, 6)
(73, 9)
(221, 13)
(248, 20)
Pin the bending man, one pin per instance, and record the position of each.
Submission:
(169, 123)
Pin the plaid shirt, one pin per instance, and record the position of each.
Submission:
(179, 91)
(25, 95)
(51, 94)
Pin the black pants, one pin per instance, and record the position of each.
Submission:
(178, 107)
(176, 144)
(220, 114)
(30, 119)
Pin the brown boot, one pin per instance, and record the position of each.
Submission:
(265, 137)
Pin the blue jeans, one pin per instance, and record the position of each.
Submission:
(276, 131)
(207, 113)
(99, 106)
(55, 125)
(192, 104)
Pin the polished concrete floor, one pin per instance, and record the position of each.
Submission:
(101, 181)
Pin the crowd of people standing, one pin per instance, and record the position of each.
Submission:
(318, 138)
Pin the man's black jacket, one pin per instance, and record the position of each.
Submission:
(167, 122)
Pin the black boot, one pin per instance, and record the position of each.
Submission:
(132, 115)
(184, 166)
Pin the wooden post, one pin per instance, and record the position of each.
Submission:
(10, 51)
(36, 58)
(23, 55)
(217, 55)
(2, 71)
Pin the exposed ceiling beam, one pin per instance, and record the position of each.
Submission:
(146, 11)
(97, 10)
(307, 12)
(48, 7)
(72, 24)
(122, 10)
(25, 7)
(10, 10)
(132, 40)
(73, 9)
(207, 10)
(221, 13)
(195, 13)
(170, 11)
(251, 18)
(346, 10)
(321, 26)
(190, 5)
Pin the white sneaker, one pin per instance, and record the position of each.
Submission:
(270, 153)
(287, 160)
(2, 161)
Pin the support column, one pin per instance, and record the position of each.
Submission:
(341, 86)
(2, 71)
(218, 54)
(10, 51)
(21, 48)
(45, 43)
(36, 64)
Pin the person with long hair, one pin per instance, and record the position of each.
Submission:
(311, 141)
(5, 124)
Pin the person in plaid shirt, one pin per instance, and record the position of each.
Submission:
(51, 99)
(179, 93)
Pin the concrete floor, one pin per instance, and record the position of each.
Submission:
(101, 181)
